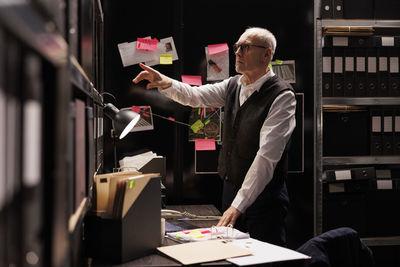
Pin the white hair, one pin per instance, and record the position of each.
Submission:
(264, 36)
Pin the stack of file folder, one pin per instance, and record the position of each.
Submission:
(126, 221)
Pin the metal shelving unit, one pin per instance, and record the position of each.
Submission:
(321, 161)
(37, 29)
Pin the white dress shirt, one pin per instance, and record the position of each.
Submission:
(274, 134)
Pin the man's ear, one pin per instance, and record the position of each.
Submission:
(268, 54)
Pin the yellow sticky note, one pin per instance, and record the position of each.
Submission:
(131, 184)
(166, 59)
(197, 126)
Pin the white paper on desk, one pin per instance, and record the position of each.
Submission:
(264, 253)
(137, 162)
(198, 252)
(130, 55)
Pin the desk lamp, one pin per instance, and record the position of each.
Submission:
(122, 121)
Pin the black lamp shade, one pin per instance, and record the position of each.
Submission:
(123, 120)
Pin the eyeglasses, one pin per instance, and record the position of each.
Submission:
(244, 47)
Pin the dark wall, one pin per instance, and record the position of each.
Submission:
(194, 25)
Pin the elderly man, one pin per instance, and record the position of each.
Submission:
(259, 118)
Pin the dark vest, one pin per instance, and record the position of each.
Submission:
(241, 131)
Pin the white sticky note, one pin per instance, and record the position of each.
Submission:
(349, 64)
(376, 124)
(336, 188)
(387, 124)
(387, 41)
(383, 64)
(394, 64)
(372, 64)
(397, 124)
(340, 41)
(360, 64)
(326, 65)
(338, 65)
(384, 184)
(343, 175)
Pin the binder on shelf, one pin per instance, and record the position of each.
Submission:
(360, 77)
(363, 173)
(338, 75)
(91, 160)
(134, 235)
(358, 9)
(337, 9)
(13, 70)
(327, 71)
(372, 76)
(338, 123)
(394, 74)
(80, 153)
(383, 71)
(396, 136)
(326, 9)
(70, 151)
(3, 121)
(32, 211)
(387, 134)
(3, 131)
(387, 9)
(376, 131)
(360, 43)
(349, 72)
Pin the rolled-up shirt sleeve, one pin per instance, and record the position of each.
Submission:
(274, 135)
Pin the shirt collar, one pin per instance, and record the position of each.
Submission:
(257, 84)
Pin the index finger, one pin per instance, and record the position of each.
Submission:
(149, 69)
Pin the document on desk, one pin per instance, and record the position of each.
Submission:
(263, 252)
(207, 251)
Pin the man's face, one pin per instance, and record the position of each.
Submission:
(251, 58)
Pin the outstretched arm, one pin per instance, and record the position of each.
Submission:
(155, 78)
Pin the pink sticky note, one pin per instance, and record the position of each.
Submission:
(190, 79)
(136, 109)
(204, 144)
(147, 44)
(217, 48)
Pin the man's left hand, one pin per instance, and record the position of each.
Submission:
(229, 217)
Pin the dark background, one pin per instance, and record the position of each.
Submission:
(194, 25)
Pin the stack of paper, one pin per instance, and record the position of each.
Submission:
(137, 162)
(202, 234)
